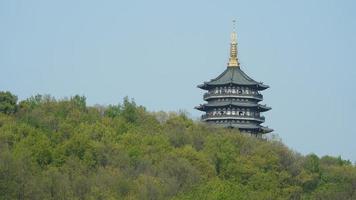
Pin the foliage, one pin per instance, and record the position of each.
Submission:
(7, 102)
(64, 149)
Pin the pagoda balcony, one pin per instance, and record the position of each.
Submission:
(207, 117)
(230, 94)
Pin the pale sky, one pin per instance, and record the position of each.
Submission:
(158, 51)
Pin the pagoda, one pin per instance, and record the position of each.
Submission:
(233, 98)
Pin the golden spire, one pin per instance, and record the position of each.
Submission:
(233, 60)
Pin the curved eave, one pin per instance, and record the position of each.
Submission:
(266, 129)
(245, 126)
(255, 119)
(241, 126)
(254, 127)
(223, 104)
(202, 86)
(233, 76)
(200, 107)
(208, 85)
(262, 86)
(261, 108)
(258, 97)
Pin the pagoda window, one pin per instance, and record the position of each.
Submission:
(240, 91)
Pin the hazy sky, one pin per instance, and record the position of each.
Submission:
(158, 51)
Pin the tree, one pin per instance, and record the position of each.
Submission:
(8, 103)
(64, 149)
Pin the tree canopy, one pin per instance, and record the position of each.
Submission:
(64, 149)
(7, 102)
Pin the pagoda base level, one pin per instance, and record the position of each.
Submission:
(253, 129)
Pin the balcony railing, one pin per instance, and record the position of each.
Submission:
(230, 94)
(225, 116)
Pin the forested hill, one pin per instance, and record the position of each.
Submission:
(64, 149)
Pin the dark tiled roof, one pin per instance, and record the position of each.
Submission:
(251, 126)
(238, 104)
(246, 127)
(233, 75)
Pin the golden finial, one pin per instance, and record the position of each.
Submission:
(233, 60)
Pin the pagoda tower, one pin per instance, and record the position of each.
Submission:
(233, 98)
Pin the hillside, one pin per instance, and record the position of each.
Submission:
(64, 149)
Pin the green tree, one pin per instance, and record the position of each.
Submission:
(8, 103)
(64, 149)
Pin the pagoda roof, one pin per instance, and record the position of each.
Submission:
(237, 104)
(233, 75)
(245, 126)
(240, 126)
(251, 126)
